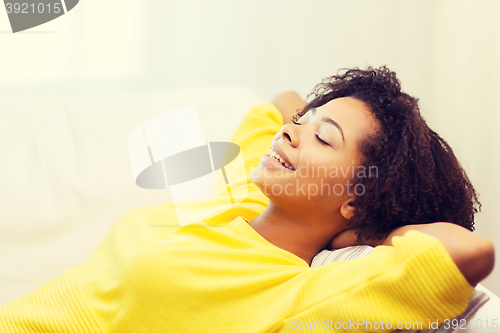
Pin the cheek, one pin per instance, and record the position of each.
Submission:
(330, 178)
(337, 170)
(265, 176)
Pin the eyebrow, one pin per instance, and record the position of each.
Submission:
(331, 121)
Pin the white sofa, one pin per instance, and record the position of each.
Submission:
(65, 175)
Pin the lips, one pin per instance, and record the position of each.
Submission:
(282, 154)
(278, 154)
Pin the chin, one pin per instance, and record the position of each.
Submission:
(260, 181)
(254, 176)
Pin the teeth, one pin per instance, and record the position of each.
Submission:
(274, 154)
(278, 158)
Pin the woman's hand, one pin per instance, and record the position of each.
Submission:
(288, 103)
(348, 238)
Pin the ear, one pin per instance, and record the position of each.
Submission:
(347, 208)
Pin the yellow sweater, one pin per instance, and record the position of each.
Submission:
(220, 275)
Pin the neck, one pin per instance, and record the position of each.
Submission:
(301, 234)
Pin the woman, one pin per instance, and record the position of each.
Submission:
(247, 269)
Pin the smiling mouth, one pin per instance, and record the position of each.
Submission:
(274, 155)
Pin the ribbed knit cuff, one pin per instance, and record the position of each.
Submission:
(57, 306)
(434, 274)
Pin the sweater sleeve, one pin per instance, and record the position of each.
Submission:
(415, 282)
(254, 136)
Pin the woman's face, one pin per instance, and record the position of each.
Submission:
(322, 147)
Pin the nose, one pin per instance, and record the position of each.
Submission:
(289, 134)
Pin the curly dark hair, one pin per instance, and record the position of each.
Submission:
(419, 177)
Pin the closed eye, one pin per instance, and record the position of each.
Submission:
(317, 136)
(319, 139)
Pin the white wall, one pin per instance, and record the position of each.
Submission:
(445, 52)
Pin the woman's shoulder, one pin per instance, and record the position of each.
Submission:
(166, 217)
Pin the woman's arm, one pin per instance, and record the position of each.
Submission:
(473, 255)
(288, 103)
